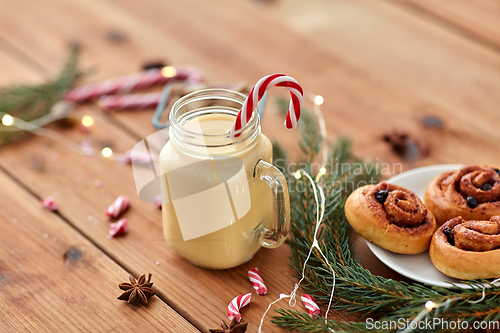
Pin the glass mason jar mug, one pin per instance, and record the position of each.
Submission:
(222, 197)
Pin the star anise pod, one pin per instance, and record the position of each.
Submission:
(233, 327)
(139, 290)
(398, 141)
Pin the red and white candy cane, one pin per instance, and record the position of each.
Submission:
(49, 204)
(257, 281)
(311, 306)
(233, 309)
(128, 83)
(129, 102)
(118, 206)
(118, 228)
(157, 201)
(257, 92)
(137, 157)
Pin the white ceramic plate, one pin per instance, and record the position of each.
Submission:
(417, 267)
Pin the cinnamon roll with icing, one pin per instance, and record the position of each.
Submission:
(391, 217)
(467, 249)
(472, 192)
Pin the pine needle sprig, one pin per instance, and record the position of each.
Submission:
(30, 102)
(356, 289)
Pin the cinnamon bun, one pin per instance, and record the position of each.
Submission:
(391, 217)
(472, 192)
(467, 249)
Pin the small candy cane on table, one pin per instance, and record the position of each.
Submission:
(129, 102)
(128, 83)
(118, 228)
(233, 309)
(118, 206)
(311, 306)
(137, 157)
(258, 91)
(158, 201)
(257, 281)
(151, 100)
(49, 204)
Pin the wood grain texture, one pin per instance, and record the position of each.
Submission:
(378, 66)
(53, 279)
(478, 19)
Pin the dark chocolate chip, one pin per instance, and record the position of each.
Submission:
(486, 187)
(471, 202)
(448, 232)
(381, 196)
(497, 171)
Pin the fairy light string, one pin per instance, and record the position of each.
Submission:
(429, 306)
(11, 123)
(318, 100)
(319, 198)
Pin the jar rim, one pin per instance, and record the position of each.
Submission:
(185, 99)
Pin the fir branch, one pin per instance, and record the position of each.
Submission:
(30, 102)
(356, 289)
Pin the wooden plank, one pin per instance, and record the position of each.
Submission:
(390, 71)
(53, 279)
(477, 19)
(364, 75)
(395, 69)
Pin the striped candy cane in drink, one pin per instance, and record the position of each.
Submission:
(233, 309)
(257, 282)
(118, 206)
(257, 92)
(311, 306)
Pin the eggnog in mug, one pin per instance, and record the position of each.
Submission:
(222, 198)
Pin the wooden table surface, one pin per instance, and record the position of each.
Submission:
(382, 65)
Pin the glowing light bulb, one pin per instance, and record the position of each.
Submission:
(429, 305)
(168, 71)
(87, 121)
(297, 175)
(7, 120)
(319, 100)
(107, 152)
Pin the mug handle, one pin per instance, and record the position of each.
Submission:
(281, 204)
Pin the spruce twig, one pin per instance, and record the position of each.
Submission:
(30, 102)
(356, 289)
